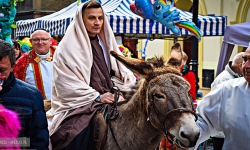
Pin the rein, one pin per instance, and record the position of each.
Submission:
(113, 113)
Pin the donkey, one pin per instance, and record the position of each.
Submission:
(159, 105)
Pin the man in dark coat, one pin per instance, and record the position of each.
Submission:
(25, 100)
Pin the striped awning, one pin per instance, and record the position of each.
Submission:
(122, 20)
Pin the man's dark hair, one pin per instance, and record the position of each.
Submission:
(91, 4)
(7, 50)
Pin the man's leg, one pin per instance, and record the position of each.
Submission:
(80, 142)
(217, 143)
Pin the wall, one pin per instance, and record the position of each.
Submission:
(24, 6)
(30, 9)
(213, 7)
(52, 5)
(55, 5)
(230, 9)
(153, 48)
(212, 45)
(211, 52)
(248, 15)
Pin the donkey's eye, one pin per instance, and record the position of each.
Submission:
(158, 96)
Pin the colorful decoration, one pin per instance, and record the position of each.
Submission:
(25, 44)
(165, 13)
(166, 145)
(26, 41)
(54, 43)
(7, 15)
(125, 51)
(25, 48)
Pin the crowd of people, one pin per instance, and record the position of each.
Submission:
(77, 78)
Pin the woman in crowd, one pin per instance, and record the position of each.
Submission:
(189, 76)
(17, 49)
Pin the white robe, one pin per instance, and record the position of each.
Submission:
(227, 74)
(227, 109)
(46, 73)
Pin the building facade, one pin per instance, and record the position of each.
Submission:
(29, 9)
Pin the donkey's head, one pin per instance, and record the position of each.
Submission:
(164, 96)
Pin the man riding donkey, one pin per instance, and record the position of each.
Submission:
(84, 75)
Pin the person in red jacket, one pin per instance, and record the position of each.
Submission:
(188, 75)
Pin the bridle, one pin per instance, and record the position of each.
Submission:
(112, 114)
(172, 139)
(162, 118)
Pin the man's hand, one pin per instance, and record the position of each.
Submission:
(109, 98)
(121, 99)
(1, 88)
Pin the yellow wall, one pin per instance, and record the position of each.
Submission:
(139, 47)
(245, 9)
(242, 15)
(167, 48)
(154, 48)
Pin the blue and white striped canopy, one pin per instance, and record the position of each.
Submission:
(122, 20)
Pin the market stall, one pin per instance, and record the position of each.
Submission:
(122, 21)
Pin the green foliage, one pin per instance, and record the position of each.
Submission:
(7, 16)
(13, 26)
(12, 4)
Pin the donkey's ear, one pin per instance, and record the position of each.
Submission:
(175, 56)
(137, 66)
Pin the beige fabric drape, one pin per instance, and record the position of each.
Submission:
(72, 67)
